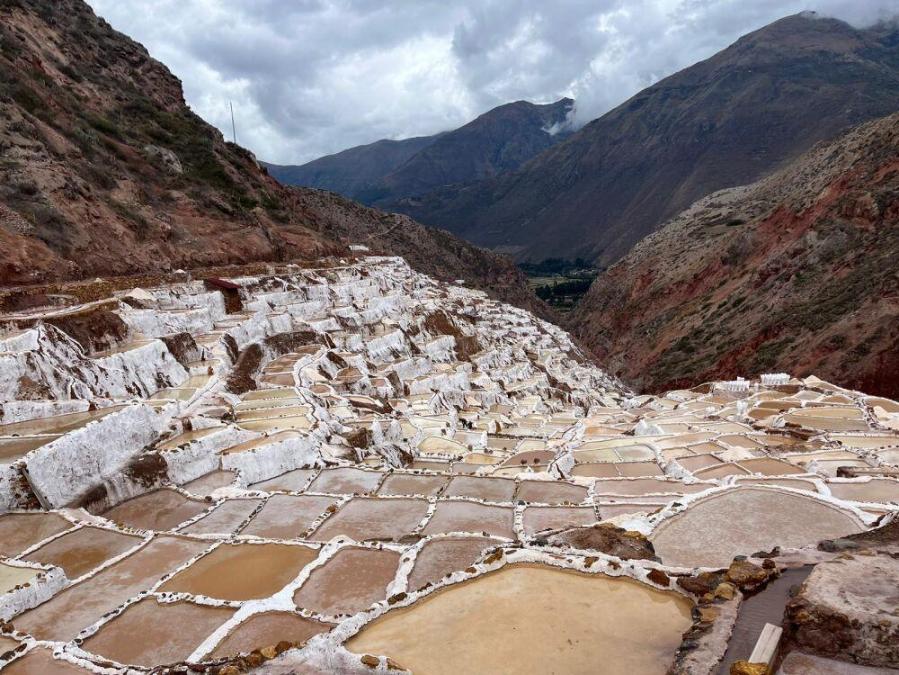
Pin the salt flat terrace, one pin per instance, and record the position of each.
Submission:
(316, 467)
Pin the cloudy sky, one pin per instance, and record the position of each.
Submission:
(311, 77)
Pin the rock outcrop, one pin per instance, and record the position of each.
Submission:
(846, 609)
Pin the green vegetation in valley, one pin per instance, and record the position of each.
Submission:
(559, 282)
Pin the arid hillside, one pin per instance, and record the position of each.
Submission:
(106, 171)
(796, 272)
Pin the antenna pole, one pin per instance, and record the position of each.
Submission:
(233, 128)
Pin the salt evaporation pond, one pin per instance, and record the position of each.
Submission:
(507, 622)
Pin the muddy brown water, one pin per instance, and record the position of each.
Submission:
(487, 489)
(351, 581)
(411, 484)
(287, 516)
(550, 492)
(21, 531)
(225, 519)
(209, 483)
(242, 571)
(59, 424)
(346, 481)
(82, 550)
(365, 518)
(158, 510)
(40, 661)
(150, 633)
(440, 557)
(745, 520)
(75, 608)
(875, 490)
(537, 518)
(471, 517)
(12, 449)
(268, 628)
(506, 622)
(292, 481)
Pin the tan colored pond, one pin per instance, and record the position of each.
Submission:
(471, 517)
(351, 581)
(58, 424)
(346, 480)
(364, 518)
(268, 628)
(80, 551)
(225, 519)
(287, 516)
(12, 449)
(158, 510)
(40, 661)
(242, 571)
(412, 484)
(292, 481)
(550, 492)
(149, 633)
(21, 531)
(209, 483)
(744, 520)
(487, 489)
(506, 622)
(77, 607)
(537, 518)
(881, 490)
(440, 557)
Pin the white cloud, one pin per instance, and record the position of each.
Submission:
(311, 77)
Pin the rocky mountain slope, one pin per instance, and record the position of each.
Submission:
(104, 170)
(500, 140)
(795, 272)
(726, 121)
(352, 171)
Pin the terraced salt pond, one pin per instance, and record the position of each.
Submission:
(507, 622)
(373, 486)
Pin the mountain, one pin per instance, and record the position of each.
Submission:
(106, 171)
(796, 272)
(388, 173)
(726, 121)
(354, 170)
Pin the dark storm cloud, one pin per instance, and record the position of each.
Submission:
(309, 77)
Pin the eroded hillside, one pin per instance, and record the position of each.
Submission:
(798, 270)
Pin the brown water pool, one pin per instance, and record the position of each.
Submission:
(287, 516)
(75, 608)
(412, 484)
(538, 518)
(471, 517)
(351, 581)
(346, 480)
(151, 633)
(158, 510)
(292, 481)
(242, 571)
(550, 492)
(225, 519)
(21, 531)
(209, 483)
(440, 557)
(268, 628)
(488, 489)
(84, 549)
(506, 622)
(364, 518)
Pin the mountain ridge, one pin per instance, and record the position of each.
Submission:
(725, 121)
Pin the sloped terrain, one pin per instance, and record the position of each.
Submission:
(356, 468)
(726, 121)
(394, 174)
(796, 272)
(106, 171)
